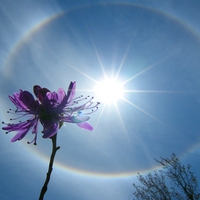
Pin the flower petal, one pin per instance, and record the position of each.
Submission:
(71, 92)
(20, 126)
(51, 131)
(85, 126)
(20, 135)
(79, 119)
(39, 92)
(27, 100)
(61, 95)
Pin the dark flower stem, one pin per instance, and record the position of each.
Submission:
(54, 150)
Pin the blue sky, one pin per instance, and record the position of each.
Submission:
(150, 47)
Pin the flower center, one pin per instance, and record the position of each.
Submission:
(46, 116)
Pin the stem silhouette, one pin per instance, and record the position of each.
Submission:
(50, 169)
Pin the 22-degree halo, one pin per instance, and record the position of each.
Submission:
(38, 28)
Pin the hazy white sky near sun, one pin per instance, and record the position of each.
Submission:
(139, 58)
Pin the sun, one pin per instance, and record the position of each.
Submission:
(109, 91)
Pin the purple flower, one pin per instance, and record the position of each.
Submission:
(51, 109)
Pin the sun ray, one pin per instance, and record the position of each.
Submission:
(124, 58)
(69, 65)
(84, 74)
(97, 53)
(100, 115)
(100, 63)
(120, 117)
(145, 112)
(148, 68)
(155, 91)
(96, 125)
(122, 123)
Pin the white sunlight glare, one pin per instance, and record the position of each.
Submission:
(109, 90)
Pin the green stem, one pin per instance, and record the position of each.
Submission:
(54, 149)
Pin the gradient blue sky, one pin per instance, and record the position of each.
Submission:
(151, 47)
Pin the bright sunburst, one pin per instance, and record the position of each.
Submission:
(109, 90)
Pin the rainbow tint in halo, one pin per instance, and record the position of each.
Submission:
(56, 16)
